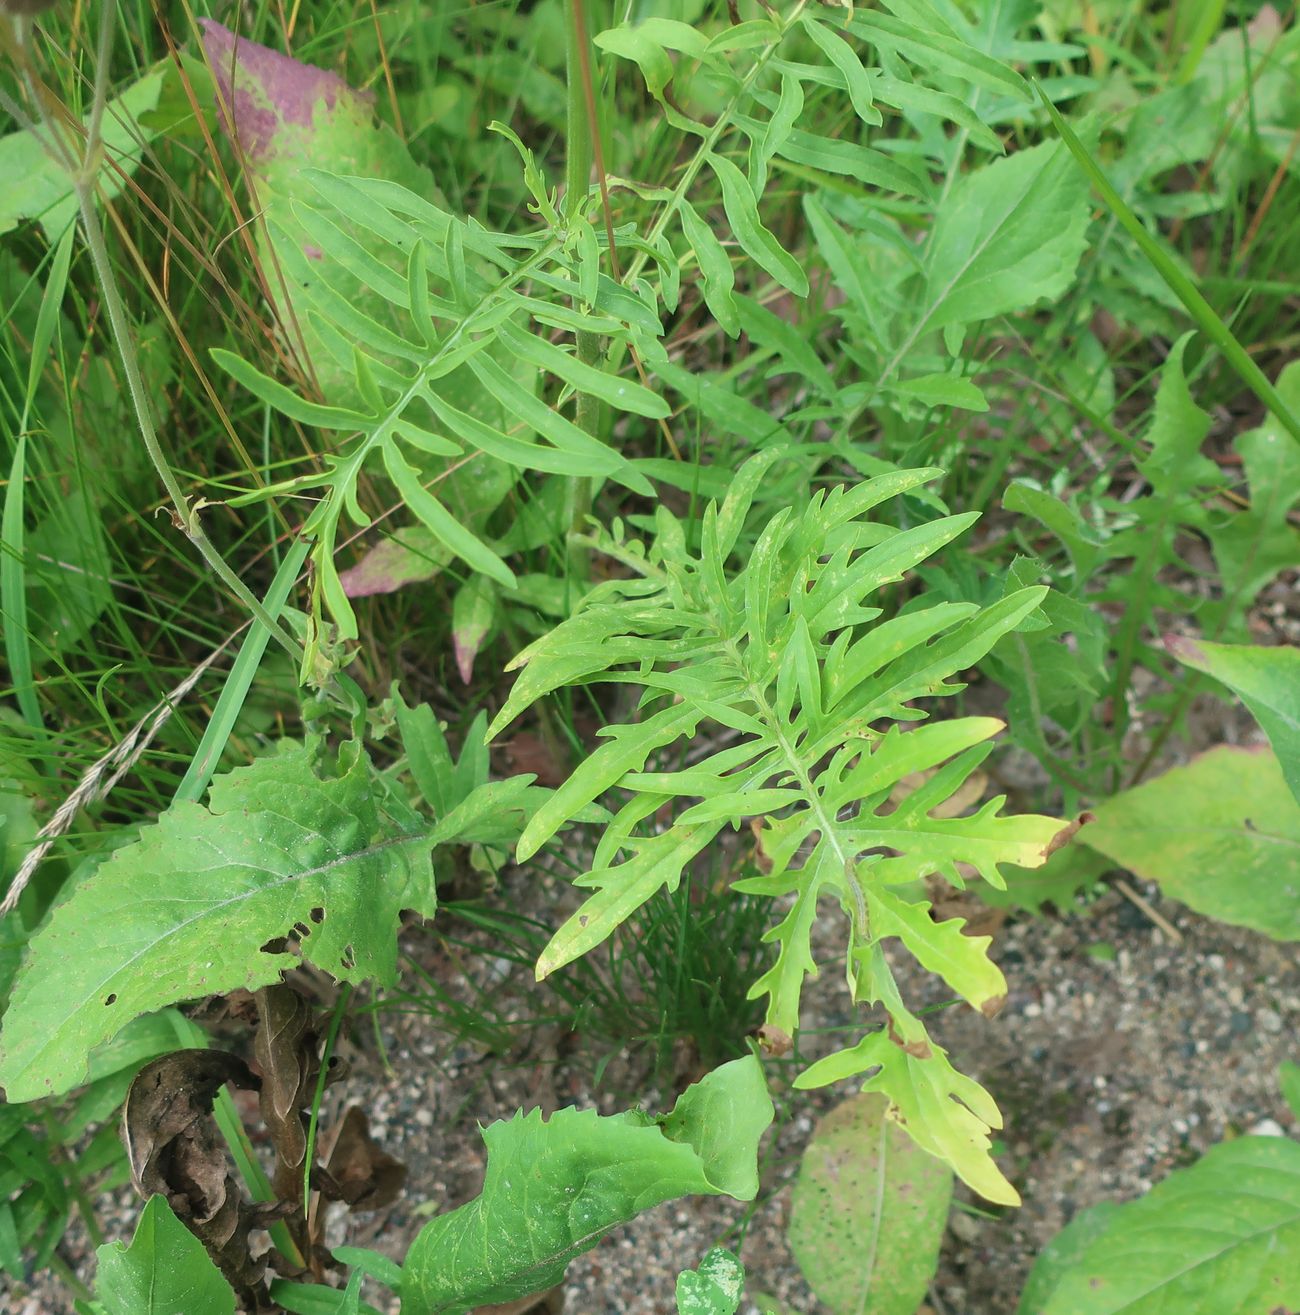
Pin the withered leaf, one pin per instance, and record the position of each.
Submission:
(285, 1048)
(171, 1143)
(174, 1151)
(359, 1172)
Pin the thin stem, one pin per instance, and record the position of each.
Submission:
(582, 128)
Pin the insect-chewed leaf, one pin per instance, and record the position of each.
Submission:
(199, 906)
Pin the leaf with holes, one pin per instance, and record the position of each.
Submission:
(201, 902)
(869, 1212)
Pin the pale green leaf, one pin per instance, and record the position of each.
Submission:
(947, 1114)
(1221, 834)
(868, 1213)
(1008, 235)
(1219, 1238)
(712, 1289)
(941, 947)
(1267, 680)
(38, 186)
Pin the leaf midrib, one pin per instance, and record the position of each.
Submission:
(209, 910)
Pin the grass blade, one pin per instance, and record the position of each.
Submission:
(13, 530)
(231, 700)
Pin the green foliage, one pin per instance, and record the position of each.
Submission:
(164, 1270)
(42, 187)
(833, 262)
(712, 1289)
(1267, 680)
(289, 847)
(1219, 1238)
(555, 1186)
(869, 1212)
(36, 1202)
(1222, 834)
(781, 653)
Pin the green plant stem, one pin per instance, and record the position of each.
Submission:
(336, 1021)
(580, 130)
(1205, 316)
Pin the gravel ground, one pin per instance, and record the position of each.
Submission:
(1118, 1057)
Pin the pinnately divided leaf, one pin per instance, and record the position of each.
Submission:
(199, 905)
(784, 659)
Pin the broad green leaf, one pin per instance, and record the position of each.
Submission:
(555, 1186)
(1221, 834)
(198, 904)
(868, 1213)
(1219, 1238)
(1062, 1253)
(1008, 235)
(37, 186)
(1267, 680)
(712, 1289)
(943, 390)
(946, 1113)
(165, 1271)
